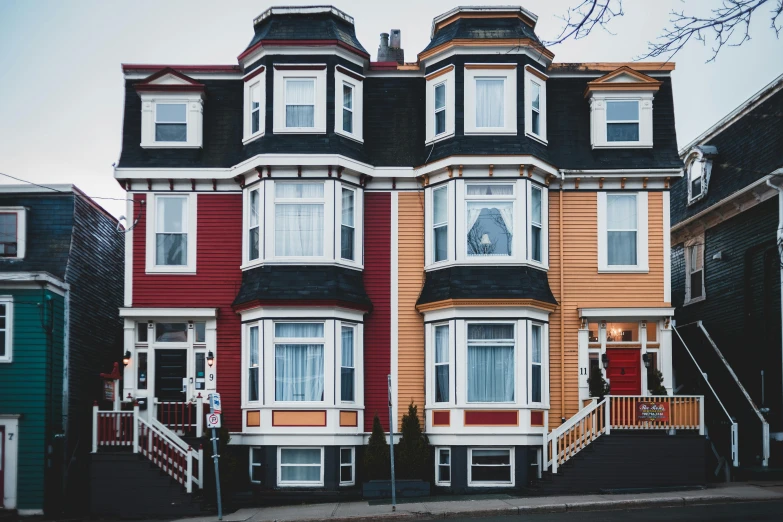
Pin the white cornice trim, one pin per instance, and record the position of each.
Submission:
(185, 313)
(626, 312)
(33, 277)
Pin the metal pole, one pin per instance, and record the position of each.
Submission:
(391, 445)
(215, 458)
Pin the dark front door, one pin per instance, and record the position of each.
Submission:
(2, 466)
(624, 372)
(170, 370)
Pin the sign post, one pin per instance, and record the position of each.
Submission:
(213, 421)
(391, 445)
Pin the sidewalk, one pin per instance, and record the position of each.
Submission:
(444, 507)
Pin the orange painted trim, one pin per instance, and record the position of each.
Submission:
(490, 66)
(535, 72)
(293, 418)
(645, 87)
(349, 418)
(439, 73)
(611, 66)
(408, 67)
(480, 303)
(486, 42)
(253, 418)
(441, 418)
(456, 16)
(471, 413)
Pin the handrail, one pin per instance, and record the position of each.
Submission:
(173, 437)
(575, 434)
(576, 418)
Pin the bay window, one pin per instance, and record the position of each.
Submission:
(441, 335)
(489, 219)
(440, 109)
(299, 362)
(622, 235)
(299, 98)
(347, 108)
(300, 103)
(254, 221)
(347, 230)
(171, 233)
(489, 102)
(490, 367)
(536, 361)
(490, 99)
(348, 102)
(347, 366)
(490, 466)
(535, 103)
(300, 466)
(440, 104)
(253, 361)
(440, 224)
(536, 224)
(299, 219)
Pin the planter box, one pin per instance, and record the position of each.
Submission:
(405, 489)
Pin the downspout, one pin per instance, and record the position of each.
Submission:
(562, 299)
(779, 238)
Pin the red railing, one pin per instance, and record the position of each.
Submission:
(181, 417)
(164, 453)
(114, 428)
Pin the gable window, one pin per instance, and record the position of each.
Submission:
(347, 369)
(300, 98)
(171, 123)
(694, 264)
(490, 363)
(440, 224)
(347, 457)
(490, 467)
(300, 466)
(347, 230)
(6, 329)
(171, 236)
(489, 219)
(254, 221)
(299, 362)
(13, 224)
(622, 120)
(536, 223)
(490, 99)
(535, 103)
(443, 466)
(536, 361)
(300, 103)
(440, 109)
(440, 104)
(441, 334)
(622, 222)
(253, 363)
(299, 219)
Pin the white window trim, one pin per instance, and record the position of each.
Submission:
(697, 157)
(8, 301)
(246, 224)
(339, 363)
(282, 483)
(252, 465)
(519, 378)
(544, 263)
(358, 203)
(21, 230)
(642, 263)
(248, 134)
(438, 465)
(341, 465)
(697, 241)
(473, 484)
(519, 238)
(429, 236)
(509, 103)
(446, 79)
(246, 363)
(270, 237)
(341, 78)
(194, 103)
(598, 127)
(531, 78)
(544, 402)
(435, 365)
(152, 209)
(319, 119)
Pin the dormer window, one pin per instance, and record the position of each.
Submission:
(622, 120)
(255, 104)
(300, 103)
(698, 167)
(171, 122)
(300, 98)
(695, 178)
(490, 99)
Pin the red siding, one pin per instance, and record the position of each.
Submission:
(377, 326)
(216, 283)
(491, 418)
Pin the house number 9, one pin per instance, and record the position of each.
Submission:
(211, 376)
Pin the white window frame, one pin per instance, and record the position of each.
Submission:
(256, 82)
(194, 114)
(8, 301)
(435, 364)
(517, 346)
(440, 224)
(473, 484)
(544, 261)
(279, 111)
(697, 243)
(326, 351)
(341, 79)
(598, 123)
(355, 226)
(537, 78)
(252, 464)
(642, 263)
(352, 465)
(436, 78)
(258, 189)
(300, 201)
(282, 483)
(438, 465)
(260, 367)
(152, 209)
(697, 158)
(339, 363)
(517, 243)
(21, 230)
(544, 337)
(509, 77)
(700, 165)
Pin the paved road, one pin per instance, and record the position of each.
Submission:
(746, 511)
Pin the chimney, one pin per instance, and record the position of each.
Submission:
(396, 39)
(396, 52)
(383, 48)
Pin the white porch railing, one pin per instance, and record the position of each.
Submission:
(684, 412)
(163, 447)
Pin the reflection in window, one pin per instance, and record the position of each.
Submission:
(622, 120)
(622, 332)
(201, 380)
(490, 363)
(253, 362)
(201, 332)
(535, 223)
(171, 237)
(440, 223)
(347, 369)
(171, 122)
(298, 465)
(141, 372)
(536, 334)
(171, 332)
(490, 216)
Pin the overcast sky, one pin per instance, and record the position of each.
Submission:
(61, 90)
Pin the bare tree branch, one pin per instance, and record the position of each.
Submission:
(589, 14)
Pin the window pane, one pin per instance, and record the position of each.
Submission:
(254, 208)
(621, 212)
(299, 330)
(622, 332)
(299, 372)
(622, 110)
(300, 103)
(171, 250)
(696, 282)
(444, 457)
(490, 228)
(346, 456)
(347, 364)
(171, 332)
(490, 373)
(254, 244)
(299, 230)
(346, 473)
(201, 382)
(490, 457)
(172, 214)
(252, 346)
(346, 242)
(141, 329)
(440, 96)
(201, 332)
(489, 102)
(347, 215)
(535, 96)
(535, 122)
(255, 108)
(535, 344)
(491, 332)
(440, 205)
(491, 473)
(652, 332)
(441, 243)
(300, 456)
(300, 473)
(535, 243)
(696, 187)
(442, 344)
(441, 363)
(141, 374)
(535, 383)
(621, 248)
(535, 205)
(170, 113)
(440, 122)
(347, 96)
(171, 132)
(8, 234)
(299, 190)
(444, 474)
(622, 132)
(490, 189)
(347, 121)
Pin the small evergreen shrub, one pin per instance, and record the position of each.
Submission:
(376, 454)
(412, 452)
(599, 388)
(655, 383)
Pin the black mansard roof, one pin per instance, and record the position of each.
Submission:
(484, 282)
(483, 29)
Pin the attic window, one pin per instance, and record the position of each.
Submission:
(698, 166)
(622, 120)
(172, 110)
(300, 98)
(171, 122)
(12, 232)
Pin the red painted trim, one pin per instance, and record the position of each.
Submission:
(254, 74)
(168, 88)
(536, 418)
(300, 67)
(296, 303)
(302, 43)
(491, 418)
(299, 425)
(383, 66)
(441, 418)
(348, 72)
(126, 67)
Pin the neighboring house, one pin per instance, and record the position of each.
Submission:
(727, 220)
(483, 225)
(61, 259)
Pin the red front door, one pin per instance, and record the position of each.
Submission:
(624, 372)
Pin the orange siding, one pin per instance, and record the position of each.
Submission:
(584, 287)
(410, 340)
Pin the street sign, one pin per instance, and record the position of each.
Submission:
(213, 420)
(214, 402)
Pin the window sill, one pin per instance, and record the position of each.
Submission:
(490, 484)
(348, 135)
(300, 261)
(169, 145)
(698, 198)
(305, 130)
(6, 361)
(189, 270)
(491, 132)
(253, 138)
(536, 137)
(623, 145)
(300, 484)
(695, 300)
(624, 270)
(439, 137)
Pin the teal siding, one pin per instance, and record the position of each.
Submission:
(32, 385)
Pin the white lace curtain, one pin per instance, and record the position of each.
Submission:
(300, 103)
(299, 367)
(491, 363)
(621, 226)
(489, 103)
(300, 464)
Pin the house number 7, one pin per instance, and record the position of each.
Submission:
(10, 436)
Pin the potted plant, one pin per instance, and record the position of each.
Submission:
(655, 383)
(599, 388)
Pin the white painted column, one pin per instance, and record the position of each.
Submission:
(666, 356)
(583, 338)
(395, 293)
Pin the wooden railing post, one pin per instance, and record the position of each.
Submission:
(199, 415)
(135, 427)
(607, 417)
(544, 460)
(189, 476)
(555, 453)
(95, 427)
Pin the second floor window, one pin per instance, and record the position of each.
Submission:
(254, 221)
(171, 231)
(490, 94)
(347, 369)
(299, 362)
(299, 219)
(622, 120)
(440, 224)
(348, 108)
(8, 234)
(440, 109)
(490, 219)
(621, 229)
(536, 227)
(300, 103)
(171, 122)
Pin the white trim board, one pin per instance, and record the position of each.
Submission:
(194, 313)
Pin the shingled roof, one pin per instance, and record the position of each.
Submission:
(483, 23)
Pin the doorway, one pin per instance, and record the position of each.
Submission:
(624, 371)
(2, 466)
(170, 374)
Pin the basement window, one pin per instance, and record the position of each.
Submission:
(488, 467)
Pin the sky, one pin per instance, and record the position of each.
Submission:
(61, 85)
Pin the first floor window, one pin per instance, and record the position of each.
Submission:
(347, 467)
(490, 219)
(443, 466)
(171, 231)
(141, 332)
(621, 229)
(300, 103)
(347, 369)
(536, 226)
(171, 123)
(622, 120)
(141, 370)
(256, 462)
(254, 220)
(653, 358)
(440, 109)
(490, 97)
(299, 219)
(440, 224)
(8, 232)
(695, 265)
(299, 362)
(490, 363)
(490, 466)
(253, 363)
(442, 363)
(301, 466)
(536, 334)
(200, 333)
(347, 230)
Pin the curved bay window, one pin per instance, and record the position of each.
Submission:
(299, 362)
(489, 219)
(490, 363)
